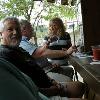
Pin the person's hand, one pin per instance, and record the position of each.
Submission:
(74, 47)
(55, 65)
(71, 50)
(57, 84)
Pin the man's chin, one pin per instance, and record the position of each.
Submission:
(14, 43)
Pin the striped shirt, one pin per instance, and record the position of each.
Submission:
(57, 43)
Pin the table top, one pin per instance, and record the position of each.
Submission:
(89, 70)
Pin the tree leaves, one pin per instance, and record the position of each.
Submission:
(25, 8)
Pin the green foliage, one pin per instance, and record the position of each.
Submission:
(41, 31)
(16, 8)
(55, 10)
(25, 8)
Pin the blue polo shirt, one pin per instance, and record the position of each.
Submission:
(27, 45)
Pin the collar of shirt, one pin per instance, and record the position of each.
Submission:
(24, 38)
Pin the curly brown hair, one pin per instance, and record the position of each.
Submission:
(59, 23)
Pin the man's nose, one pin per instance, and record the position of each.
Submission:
(14, 31)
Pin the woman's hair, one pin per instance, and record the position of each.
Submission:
(59, 23)
(24, 23)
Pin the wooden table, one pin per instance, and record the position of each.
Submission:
(90, 73)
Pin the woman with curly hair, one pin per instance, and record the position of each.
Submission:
(59, 39)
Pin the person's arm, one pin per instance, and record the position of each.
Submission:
(44, 52)
(55, 89)
(52, 91)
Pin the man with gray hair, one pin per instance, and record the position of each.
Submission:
(10, 50)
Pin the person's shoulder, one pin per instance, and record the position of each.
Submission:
(1, 46)
(66, 33)
(23, 52)
(4, 47)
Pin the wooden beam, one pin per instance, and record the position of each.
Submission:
(51, 1)
(64, 2)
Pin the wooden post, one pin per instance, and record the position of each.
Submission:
(91, 23)
(51, 1)
(64, 2)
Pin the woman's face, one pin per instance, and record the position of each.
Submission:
(27, 30)
(53, 28)
(11, 33)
